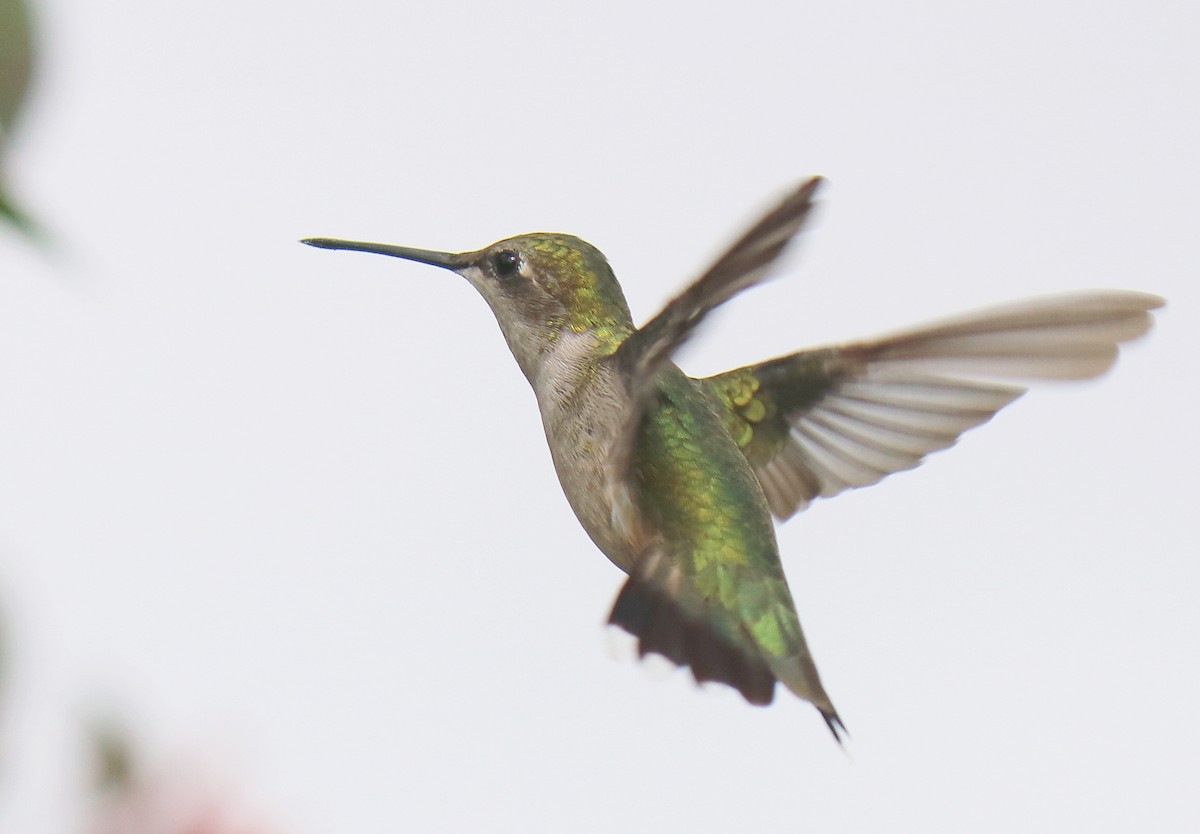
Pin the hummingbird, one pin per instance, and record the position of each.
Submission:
(679, 480)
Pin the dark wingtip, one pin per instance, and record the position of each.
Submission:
(649, 613)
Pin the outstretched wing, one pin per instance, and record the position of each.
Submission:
(819, 422)
(745, 264)
(644, 354)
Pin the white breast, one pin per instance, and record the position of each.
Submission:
(583, 404)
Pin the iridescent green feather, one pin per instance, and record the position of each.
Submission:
(584, 283)
(702, 496)
(757, 399)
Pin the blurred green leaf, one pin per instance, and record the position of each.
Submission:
(16, 62)
(16, 52)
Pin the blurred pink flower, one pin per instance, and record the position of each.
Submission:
(175, 801)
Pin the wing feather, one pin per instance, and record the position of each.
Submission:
(648, 350)
(846, 417)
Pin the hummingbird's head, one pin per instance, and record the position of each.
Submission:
(540, 287)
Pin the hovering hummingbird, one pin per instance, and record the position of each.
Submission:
(676, 479)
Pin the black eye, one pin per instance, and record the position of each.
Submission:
(506, 262)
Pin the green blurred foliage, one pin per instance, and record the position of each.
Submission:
(16, 63)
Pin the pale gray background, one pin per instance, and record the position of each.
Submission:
(290, 511)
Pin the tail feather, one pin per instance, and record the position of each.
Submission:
(834, 722)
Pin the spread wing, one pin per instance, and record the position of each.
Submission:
(822, 421)
(745, 264)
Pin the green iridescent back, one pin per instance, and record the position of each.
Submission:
(698, 488)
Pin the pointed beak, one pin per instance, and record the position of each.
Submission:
(446, 260)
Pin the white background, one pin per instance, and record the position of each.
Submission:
(290, 512)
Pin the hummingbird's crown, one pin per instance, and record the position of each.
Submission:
(574, 273)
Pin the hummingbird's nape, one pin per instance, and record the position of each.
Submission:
(446, 260)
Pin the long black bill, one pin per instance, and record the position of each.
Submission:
(446, 260)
